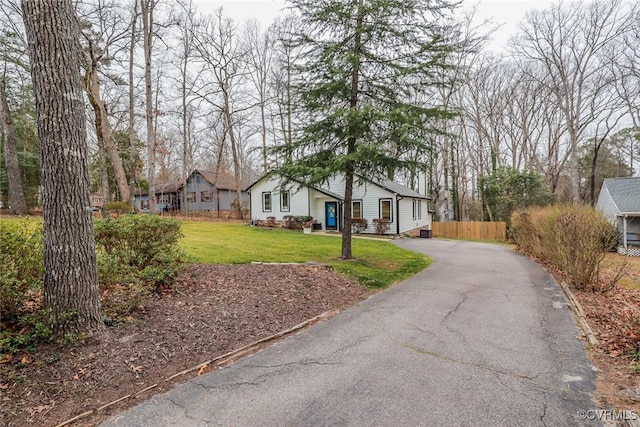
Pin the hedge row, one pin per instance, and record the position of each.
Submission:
(572, 238)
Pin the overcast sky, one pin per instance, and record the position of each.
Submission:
(506, 12)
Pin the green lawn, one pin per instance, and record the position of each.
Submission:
(378, 263)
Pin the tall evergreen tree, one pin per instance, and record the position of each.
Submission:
(365, 68)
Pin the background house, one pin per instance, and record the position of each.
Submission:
(619, 200)
(205, 192)
(405, 208)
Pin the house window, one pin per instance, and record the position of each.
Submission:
(419, 202)
(144, 204)
(385, 209)
(266, 202)
(164, 199)
(191, 197)
(415, 208)
(356, 209)
(206, 196)
(284, 201)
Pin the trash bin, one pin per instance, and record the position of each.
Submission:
(425, 234)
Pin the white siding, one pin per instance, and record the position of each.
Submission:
(318, 212)
(407, 222)
(298, 200)
(606, 204)
(311, 202)
(370, 195)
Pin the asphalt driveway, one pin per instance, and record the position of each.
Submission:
(483, 337)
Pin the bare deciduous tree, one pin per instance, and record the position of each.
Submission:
(570, 40)
(219, 48)
(99, 37)
(147, 8)
(17, 200)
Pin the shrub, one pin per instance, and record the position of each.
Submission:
(358, 225)
(382, 225)
(138, 248)
(304, 218)
(572, 238)
(118, 208)
(21, 265)
(291, 222)
(30, 329)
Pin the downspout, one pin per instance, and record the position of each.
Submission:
(624, 234)
(398, 198)
(250, 204)
(217, 201)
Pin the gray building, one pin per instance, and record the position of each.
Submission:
(619, 201)
(206, 191)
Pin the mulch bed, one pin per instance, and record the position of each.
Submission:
(614, 317)
(214, 310)
(613, 313)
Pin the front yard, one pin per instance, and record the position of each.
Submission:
(221, 302)
(377, 263)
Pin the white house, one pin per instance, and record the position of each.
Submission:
(619, 200)
(405, 208)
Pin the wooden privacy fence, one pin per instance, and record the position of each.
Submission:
(470, 230)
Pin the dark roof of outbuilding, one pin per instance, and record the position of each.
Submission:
(222, 181)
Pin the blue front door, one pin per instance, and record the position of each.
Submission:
(331, 214)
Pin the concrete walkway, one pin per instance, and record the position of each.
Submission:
(483, 337)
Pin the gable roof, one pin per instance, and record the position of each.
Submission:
(222, 180)
(625, 193)
(386, 184)
(168, 187)
(399, 189)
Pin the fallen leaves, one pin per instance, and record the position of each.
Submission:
(216, 309)
(204, 369)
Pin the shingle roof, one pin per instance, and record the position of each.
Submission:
(400, 189)
(388, 185)
(625, 193)
(169, 187)
(222, 181)
(162, 188)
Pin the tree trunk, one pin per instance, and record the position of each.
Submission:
(133, 154)
(235, 154)
(186, 164)
(263, 118)
(104, 179)
(103, 128)
(70, 279)
(573, 166)
(14, 180)
(147, 24)
(353, 104)
(592, 174)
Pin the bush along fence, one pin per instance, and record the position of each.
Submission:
(470, 230)
(574, 239)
